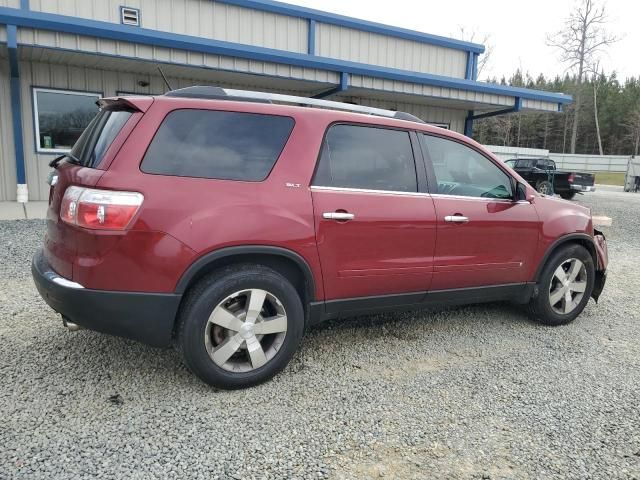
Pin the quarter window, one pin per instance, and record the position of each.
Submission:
(215, 144)
(367, 158)
(61, 116)
(462, 171)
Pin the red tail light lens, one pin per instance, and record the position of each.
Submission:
(99, 209)
(571, 177)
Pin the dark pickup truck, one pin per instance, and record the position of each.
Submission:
(541, 173)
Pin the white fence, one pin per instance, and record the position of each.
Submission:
(566, 161)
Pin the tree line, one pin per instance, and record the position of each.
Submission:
(608, 104)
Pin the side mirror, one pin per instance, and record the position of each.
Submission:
(521, 193)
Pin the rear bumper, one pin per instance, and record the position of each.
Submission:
(583, 188)
(145, 317)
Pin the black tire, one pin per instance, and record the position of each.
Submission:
(568, 195)
(207, 295)
(540, 308)
(545, 187)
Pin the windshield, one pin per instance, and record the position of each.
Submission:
(90, 148)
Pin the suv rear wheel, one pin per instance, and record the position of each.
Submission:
(241, 326)
(565, 286)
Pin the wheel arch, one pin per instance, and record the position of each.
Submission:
(287, 262)
(577, 238)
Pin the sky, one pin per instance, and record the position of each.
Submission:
(517, 29)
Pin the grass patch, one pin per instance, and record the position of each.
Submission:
(610, 178)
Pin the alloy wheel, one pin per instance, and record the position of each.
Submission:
(246, 330)
(568, 284)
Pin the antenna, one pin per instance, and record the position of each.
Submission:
(165, 78)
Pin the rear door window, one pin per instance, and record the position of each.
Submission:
(367, 158)
(216, 144)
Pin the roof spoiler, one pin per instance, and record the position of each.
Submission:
(135, 103)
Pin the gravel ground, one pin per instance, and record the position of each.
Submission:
(475, 392)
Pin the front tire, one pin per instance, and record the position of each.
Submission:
(565, 286)
(240, 326)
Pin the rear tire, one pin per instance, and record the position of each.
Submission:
(544, 187)
(568, 195)
(565, 286)
(240, 327)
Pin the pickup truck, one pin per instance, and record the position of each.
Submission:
(541, 173)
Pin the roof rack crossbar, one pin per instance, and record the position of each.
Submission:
(247, 95)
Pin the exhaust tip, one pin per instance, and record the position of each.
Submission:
(69, 325)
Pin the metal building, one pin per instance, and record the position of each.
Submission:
(60, 55)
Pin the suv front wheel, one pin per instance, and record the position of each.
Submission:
(240, 327)
(564, 287)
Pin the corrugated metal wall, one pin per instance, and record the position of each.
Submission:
(539, 105)
(159, 54)
(10, 3)
(7, 157)
(209, 19)
(199, 18)
(375, 49)
(361, 81)
(454, 118)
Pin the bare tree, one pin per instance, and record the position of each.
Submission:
(596, 86)
(580, 42)
(471, 35)
(633, 131)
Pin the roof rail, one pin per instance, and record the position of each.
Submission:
(218, 93)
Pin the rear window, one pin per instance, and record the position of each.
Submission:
(90, 148)
(215, 144)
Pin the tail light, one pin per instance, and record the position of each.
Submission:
(571, 178)
(99, 209)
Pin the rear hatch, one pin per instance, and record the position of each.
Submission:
(83, 166)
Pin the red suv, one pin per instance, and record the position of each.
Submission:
(226, 222)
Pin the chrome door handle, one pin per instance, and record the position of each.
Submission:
(338, 216)
(456, 219)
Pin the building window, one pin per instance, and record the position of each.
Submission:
(60, 117)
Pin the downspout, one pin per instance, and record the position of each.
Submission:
(342, 87)
(22, 192)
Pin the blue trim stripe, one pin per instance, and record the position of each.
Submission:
(311, 42)
(16, 107)
(146, 36)
(350, 22)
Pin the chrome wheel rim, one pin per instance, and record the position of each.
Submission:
(544, 189)
(246, 330)
(568, 284)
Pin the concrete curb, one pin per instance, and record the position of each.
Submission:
(23, 211)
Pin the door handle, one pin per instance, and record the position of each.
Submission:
(456, 219)
(338, 216)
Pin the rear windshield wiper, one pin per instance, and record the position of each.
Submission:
(72, 159)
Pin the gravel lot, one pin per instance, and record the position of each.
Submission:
(475, 392)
